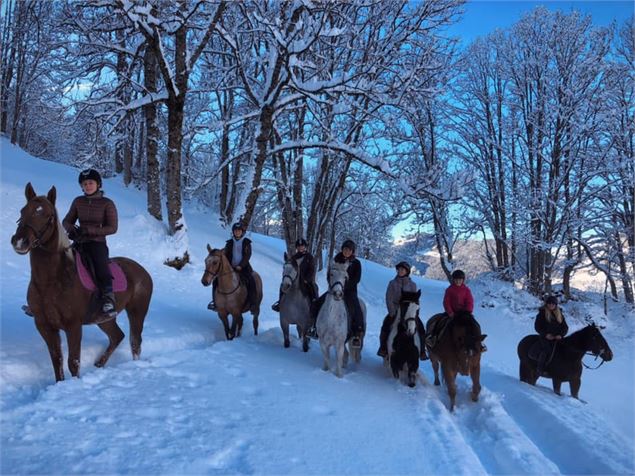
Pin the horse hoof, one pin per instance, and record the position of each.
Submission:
(437, 383)
(411, 384)
(286, 344)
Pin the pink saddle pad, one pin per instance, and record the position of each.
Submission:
(119, 281)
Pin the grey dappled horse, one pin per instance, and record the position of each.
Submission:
(332, 320)
(295, 306)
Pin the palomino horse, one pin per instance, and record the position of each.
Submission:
(332, 320)
(404, 343)
(295, 306)
(458, 349)
(231, 292)
(566, 362)
(56, 296)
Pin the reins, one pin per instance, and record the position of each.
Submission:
(596, 357)
(218, 275)
(38, 234)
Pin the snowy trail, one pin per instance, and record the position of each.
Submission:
(197, 404)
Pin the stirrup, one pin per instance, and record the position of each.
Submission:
(356, 342)
(105, 317)
(276, 306)
(382, 352)
(27, 310)
(211, 306)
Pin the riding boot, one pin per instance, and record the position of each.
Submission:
(212, 305)
(276, 305)
(27, 310)
(108, 308)
(383, 336)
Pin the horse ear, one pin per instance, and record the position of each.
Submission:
(209, 248)
(52, 195)
(29, 193)
(483, 337)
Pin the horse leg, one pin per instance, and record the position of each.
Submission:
(74, 341)
(325, 353)
(255, 321)
(574, 386)
(285, 333)
(137, 309)
(342, 358)
(115, 336)
(556, 386)
(229, 335)
(305, 343)
(52, 338)
(450, 381)
(475, 373)
(435, 368)
(237, 324)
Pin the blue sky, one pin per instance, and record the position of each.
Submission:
(484, 16)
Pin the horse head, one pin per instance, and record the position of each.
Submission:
(289, 273)
(409, 310)
(38, 222)
(337, 276)
(466, 333)
(595, 343)
(213, 265)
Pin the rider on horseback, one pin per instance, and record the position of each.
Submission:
(551, 327)
(97, 217)
(306, 270)
(238, 252)
(396, 286)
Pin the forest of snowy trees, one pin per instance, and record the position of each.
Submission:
(331, 119)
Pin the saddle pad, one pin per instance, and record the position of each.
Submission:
(119, 281)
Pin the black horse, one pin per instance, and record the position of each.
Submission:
(566, 362)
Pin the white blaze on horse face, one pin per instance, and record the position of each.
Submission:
(411, 315)
(289, 273)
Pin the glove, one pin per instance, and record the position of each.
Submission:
(76, 233)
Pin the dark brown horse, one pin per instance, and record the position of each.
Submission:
(566, 364)
(56, 296)
(231, 292)
(458, 349)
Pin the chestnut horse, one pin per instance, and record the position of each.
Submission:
(566, 364)
(458, 349)
(56, 296)
(231, 292)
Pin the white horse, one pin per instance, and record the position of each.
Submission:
(295, 306)
(332, 320)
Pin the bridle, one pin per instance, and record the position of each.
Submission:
(219, 274)
(39, 234)
(288, 276)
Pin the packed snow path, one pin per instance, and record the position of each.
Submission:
(197, 404)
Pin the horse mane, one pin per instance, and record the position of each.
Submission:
(465, 319)
(63, 243)
(409, 296)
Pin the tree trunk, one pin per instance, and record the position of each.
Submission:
(153, 172)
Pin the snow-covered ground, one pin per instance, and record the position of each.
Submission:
(197, 404)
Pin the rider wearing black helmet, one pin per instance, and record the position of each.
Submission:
(238, 252)
(97, 216)
(347, 254)
(306, 269)
(396, 286)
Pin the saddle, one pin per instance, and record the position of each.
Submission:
(86, 274)
(437, 326)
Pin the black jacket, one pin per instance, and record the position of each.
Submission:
(544, 327)
(354, 272)
(244, 263)
(306, 269)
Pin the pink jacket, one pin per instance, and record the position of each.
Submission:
(458, 298)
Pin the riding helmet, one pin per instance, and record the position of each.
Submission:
(458, 274)
(350, 244)
(90, 174)
(551, 300)
(238, 226)
(405, 265)
(301, 242)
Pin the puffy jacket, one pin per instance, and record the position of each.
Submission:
(458, 298)
(97, 216)
(394, 290)
(544, 326)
